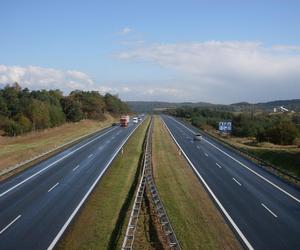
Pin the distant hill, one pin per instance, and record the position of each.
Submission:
(293, 104)
(144, 106)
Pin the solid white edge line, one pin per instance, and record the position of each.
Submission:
(237, 181)
(62, 230)
(12, 222)
(53, 163)
(269, 210)
(242, 236)
(53, 187)
(219, 165)
(243, 165)
(75, 167)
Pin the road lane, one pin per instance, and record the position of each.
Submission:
(47, 200)
(243, 202)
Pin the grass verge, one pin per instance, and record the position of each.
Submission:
(14, 150)
(101, 222)
(286, 158)
(196, 221)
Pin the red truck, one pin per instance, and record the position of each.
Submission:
(124, 120)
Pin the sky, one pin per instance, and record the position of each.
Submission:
(211, 51)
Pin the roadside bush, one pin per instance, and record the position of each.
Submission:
(282, 132)
(24, 123)
(198, 121)
(12, 128)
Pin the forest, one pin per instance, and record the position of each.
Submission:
(282, 128)
(23, 110)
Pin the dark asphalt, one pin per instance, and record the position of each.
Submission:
(33, 210)
(265, 208)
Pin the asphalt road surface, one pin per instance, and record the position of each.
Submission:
(263, 210)
(37, 204)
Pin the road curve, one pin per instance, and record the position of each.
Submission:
(37, 204)
(263, 210)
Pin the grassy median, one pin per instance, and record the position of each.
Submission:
(197, 222)
(100, 223)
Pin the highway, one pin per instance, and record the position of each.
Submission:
(37, 205)
(262, 209)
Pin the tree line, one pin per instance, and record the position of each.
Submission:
(22, 110)
(283, 129)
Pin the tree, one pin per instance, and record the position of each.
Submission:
(24, 123)
(92, 103)
(56, 115)
(38, 113)
(283, 131)
(72, 109)
(114, 105)
(10, 95)
(3, 106)
(12, 128)
(22, 110)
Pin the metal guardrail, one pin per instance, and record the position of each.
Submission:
(134, 215)
(147, 177)
(160, 210)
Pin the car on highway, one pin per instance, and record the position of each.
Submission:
(197, 137)
(135, 120)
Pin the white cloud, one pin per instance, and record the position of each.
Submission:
(45, 78)
(125, 31)
(225, 71)
(34, 77)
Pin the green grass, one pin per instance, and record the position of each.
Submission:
(14, 150)
(101, 222)
(286, 160)
(196, 221)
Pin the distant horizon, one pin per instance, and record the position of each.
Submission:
(176, 102)
(275, 100)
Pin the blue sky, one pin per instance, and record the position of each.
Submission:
(154, 50)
